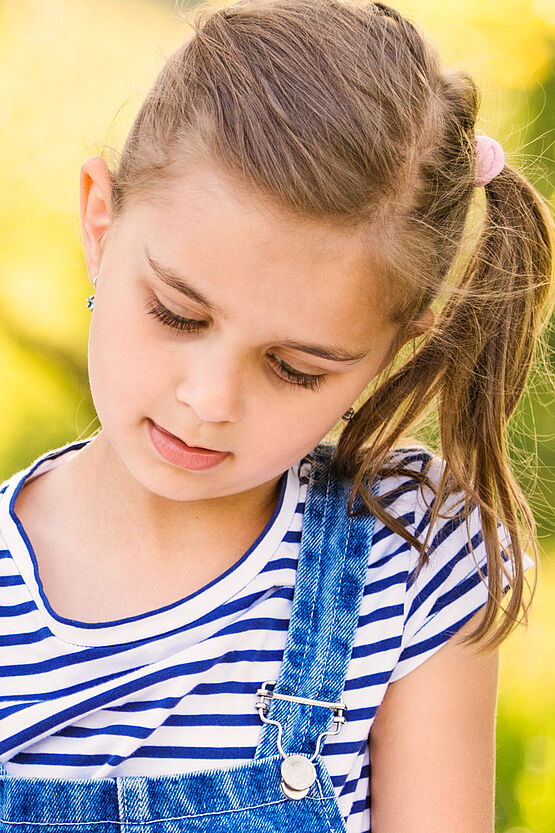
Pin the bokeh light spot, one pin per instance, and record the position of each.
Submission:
(518, 830)
(546, 10)
(540, 753)
(34, 20)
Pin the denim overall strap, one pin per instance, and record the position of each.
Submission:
(330, 582)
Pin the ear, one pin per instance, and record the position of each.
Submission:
(95, 197)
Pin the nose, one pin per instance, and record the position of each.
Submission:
(212, 387)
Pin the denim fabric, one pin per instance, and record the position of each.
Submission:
(330, 581)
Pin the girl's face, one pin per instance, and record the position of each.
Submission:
(243, 357)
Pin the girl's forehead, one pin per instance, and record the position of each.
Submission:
(205, 194)
(276, 288)
(235, 240)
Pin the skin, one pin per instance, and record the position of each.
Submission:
(273, 279)
(432, 744)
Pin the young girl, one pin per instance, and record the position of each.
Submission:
(214, 619)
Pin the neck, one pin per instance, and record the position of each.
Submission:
(101, 489)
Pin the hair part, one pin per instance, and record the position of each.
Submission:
(339, 111)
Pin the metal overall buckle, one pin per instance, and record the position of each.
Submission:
(298, 773)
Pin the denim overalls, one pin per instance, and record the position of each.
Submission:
(287, 787)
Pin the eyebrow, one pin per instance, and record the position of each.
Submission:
(172, 278)
(334, 354)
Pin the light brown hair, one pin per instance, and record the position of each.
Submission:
(341, 112)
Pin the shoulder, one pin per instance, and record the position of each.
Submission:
(444, 589)
(408, 491)
(408, 481)
(453, 537)
(406, 484)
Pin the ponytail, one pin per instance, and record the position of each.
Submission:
(473, 366)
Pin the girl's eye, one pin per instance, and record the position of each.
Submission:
(190, 325)
(295, 377)
(194, 325)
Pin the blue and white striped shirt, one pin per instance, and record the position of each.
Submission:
(173, 690)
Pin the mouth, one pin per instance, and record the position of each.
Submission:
(176, 451)
(196, 449)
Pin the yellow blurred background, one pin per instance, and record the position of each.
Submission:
(72, 76)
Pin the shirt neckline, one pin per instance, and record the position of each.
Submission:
(159, 620)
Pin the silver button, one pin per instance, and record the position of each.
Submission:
(296, 794)
(298, 773)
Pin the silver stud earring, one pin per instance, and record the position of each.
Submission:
(90, 299)
(348, 415)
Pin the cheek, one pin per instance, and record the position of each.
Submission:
(124, 364)
(298, 421)
(288, 434)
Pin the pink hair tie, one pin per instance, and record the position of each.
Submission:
(489, 160)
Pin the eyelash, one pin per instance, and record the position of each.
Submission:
(192, 325)
(189, 325)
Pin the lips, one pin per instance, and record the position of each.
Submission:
(193, 448)
(174, 450)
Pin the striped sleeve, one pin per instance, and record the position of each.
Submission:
(446, 592)
(452, 586)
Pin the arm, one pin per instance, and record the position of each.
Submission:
(432, 745)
